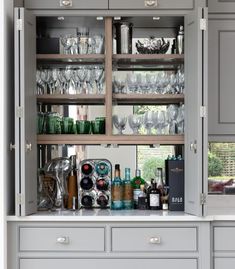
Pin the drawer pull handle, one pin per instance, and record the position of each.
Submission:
(62, 240)
(66, 3)
(151, 3)
(155, 240)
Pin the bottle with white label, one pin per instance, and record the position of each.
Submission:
(155, 197)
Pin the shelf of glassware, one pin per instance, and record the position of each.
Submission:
(73, 99)
(110, 140)
(70, 58)
(150, 99)
(148, 59)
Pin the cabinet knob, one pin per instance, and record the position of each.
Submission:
(155, 240)
(28, 147)
(12, 146)
(63, 240)
(66, 3)
(193, 146)
(151, 3)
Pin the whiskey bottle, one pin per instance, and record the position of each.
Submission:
(127, 191)
(117, 190)
(142, 199)
(136, 182)
(154, 197)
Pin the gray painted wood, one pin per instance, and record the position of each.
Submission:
(224, 239)
(162, 4)
(193, 121)
(28, 130)
(224, 263)
(221, 6)
(76, 4)
(77, 239)
(108, 263)
(138, 239)
(221, 109)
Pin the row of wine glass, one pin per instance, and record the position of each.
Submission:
(162, 122)
(162, 82)
(87, 80)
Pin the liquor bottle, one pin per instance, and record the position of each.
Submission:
(154, 197)
(72, 191)
(136, 182)
(127, 191)
(117, 190)
(86, 183)
(159, 180)
(142, 199)
(102, 200)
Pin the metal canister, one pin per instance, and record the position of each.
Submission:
(124, 37)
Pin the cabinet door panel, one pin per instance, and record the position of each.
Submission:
(141, 4)
(58, 4)
(221, 6)
(221, 110)
(194, 93)
(25, 99)
(108, 263)
(224, 263)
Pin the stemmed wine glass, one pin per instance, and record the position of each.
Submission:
(120, 123)
(135, 122)
(149, 121)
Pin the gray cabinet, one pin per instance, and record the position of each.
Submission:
(221, 92)
(222, 263)
(221, 6)
(151, 4)
(66, 4)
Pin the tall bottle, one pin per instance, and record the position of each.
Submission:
(136, 182)
(72, 186)
(159, 180)
(127, 190)
(117, 190)
(180, 40)
(154, 197)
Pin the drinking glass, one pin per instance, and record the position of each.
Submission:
(67, 42)
(120, 123)
(135, 122)
(98, 44)
(149, 121)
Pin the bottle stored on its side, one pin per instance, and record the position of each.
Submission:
(136, 182)
(88, 199)
(117, 190)
(154, 197)
(102, 200)
(86, 183)
(127, 191)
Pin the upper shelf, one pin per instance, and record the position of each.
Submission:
(154, 61)
(70, 59)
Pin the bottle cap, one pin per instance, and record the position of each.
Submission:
(142, 187)
(117, 166)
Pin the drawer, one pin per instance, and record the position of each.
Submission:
(224, 238)
(221, 6)
(61, 239)
(224, 263)
(108, 263)
(58, 4)
(146, 4)
(154, 239)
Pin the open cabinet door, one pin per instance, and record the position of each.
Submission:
(195, 87)
(25, 112)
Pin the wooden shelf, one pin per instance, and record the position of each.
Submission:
(154, 61)
(150, 99)
(73, 99)
(70, 59)
(113, 139)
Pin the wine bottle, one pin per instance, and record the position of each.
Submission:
(102, 184)
(88, 199)
(86, 183)
(102, 200)
(87, 169)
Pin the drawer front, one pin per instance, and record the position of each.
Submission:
(154, 239)
(151, 4)
(221, 6)
(224, 238)
(72, 4)
(108, 263)
(224, 263)
(62, 239)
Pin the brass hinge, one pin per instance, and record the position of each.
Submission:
(203, 112)
(203, 198)
(19, 112)
(19, 24)
(203, 24)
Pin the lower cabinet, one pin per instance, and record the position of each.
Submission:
(224, 263)
(108, 263)
(105, 245)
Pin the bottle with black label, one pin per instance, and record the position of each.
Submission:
(154, 197)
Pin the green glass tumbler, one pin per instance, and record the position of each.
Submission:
(83, 126)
